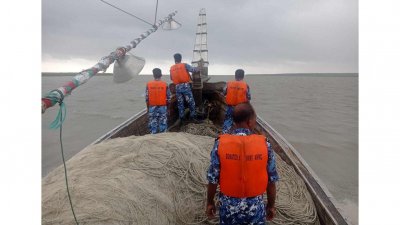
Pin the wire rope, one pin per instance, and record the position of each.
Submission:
(155, 16)
(127, 12)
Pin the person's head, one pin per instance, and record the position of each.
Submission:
(239, 74)
(244, 116)
(178, 58)
(157, 73)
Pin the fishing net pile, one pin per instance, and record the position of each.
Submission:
(152, 179)
(207, 128)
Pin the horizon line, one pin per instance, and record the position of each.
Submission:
(250, 74)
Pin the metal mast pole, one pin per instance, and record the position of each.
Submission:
(57, 95)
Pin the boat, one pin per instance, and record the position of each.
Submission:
(325, 203)
(211, 105)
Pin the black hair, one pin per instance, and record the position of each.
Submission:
(157, 73)
(243, 112)
(178, 57)
(239, 74)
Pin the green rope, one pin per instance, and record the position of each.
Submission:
(58, 123)
(59, 120)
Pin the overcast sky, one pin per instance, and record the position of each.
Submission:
(260, 36)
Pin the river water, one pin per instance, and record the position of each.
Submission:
(316, 113)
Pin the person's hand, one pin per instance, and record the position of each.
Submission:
(210, 211)
(271, 212)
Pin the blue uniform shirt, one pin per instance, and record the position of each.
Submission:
(191, 69)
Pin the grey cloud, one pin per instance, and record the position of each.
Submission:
(318, 33)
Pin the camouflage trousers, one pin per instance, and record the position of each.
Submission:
(185, 93)
(157, 119)
(228, 122)
(242, 210)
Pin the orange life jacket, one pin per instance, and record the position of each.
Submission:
(179, 74)
(157, 93)
(243, 165)
(236, 92)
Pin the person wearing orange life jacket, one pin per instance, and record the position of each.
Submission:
(243, 164)
(157, 99)
(180, 76)
(235, 92)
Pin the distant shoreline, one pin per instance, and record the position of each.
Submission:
(51, 74)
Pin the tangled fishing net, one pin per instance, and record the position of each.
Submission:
(206, 128)
(153, 179)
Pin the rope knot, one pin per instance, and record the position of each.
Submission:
(59, 120)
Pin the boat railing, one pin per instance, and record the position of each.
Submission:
(313, 182)
(120, 127)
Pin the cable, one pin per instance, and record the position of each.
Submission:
(65, 167)
(155, 16)
(127, 12)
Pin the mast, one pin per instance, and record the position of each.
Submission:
(200, 51)
(200, 60)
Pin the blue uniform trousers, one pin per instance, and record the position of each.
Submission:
(157, 119)
(184, 92)
(228, 122)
